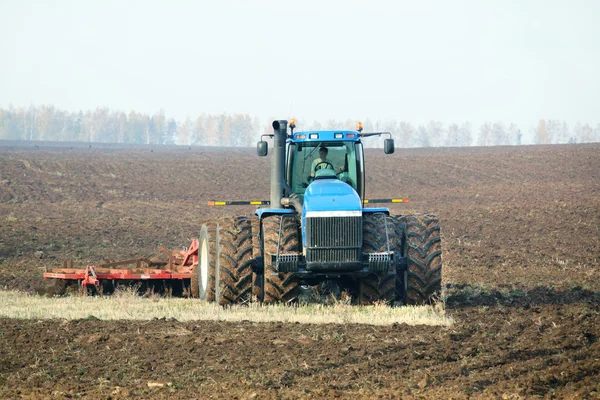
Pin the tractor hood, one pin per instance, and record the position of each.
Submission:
(330, 195)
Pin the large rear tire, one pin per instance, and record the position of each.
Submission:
(279, 286)
(424, 252)
(379, 234)
(195, 281)
(401, 249)
(235, 261)
(203, 277)
(258, 286)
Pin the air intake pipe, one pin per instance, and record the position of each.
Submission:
(278, 162)
(292, 201)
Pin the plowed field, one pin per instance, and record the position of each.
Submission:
(521, 237)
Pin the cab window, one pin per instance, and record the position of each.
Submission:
(308, 161)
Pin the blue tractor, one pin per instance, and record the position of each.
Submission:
(314, 235)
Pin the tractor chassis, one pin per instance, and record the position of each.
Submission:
(311, 273)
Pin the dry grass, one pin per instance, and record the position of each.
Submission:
(130, 306)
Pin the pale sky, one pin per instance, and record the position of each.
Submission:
(416, 61)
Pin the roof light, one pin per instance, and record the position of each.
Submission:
(300, 136)
(292, 123)
(338, 135)
(351, 135)
(313, 136)
(359, 126)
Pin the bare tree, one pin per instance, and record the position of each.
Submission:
(485, 132)
(405, 134)
(541, 135)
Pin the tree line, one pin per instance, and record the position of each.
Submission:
(47, 123)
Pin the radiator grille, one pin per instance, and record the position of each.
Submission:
(333, 239)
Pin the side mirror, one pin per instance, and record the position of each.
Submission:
(262, 148)
(388, 146)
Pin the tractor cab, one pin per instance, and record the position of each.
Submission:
(301, 158)
(320, 155)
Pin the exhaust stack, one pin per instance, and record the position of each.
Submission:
(278, 162)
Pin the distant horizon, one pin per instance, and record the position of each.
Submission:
(104, 125)
(525, 127)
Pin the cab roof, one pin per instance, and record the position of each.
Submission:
(329, 136)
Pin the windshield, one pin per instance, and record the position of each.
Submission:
(309, 161)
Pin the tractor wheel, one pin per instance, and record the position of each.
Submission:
(258, 286)
(195, 280)
(279, 286)
(401, 250)
(235, 261)
(378, 231)
(203, 277)
(424, 252)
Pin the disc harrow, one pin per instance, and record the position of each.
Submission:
(169, 276)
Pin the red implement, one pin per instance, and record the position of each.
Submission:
(178, 268)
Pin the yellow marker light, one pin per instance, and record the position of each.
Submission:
(365, 201)
(351, 135)
(300, 136)
(256, 203)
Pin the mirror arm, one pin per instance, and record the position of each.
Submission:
(374, 134)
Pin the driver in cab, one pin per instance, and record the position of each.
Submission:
(322, 162)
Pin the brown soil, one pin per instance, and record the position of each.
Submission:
(521, 237)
